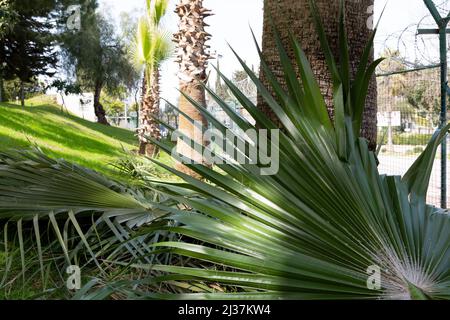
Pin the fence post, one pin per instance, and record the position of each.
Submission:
(442, 23)
(443, 117)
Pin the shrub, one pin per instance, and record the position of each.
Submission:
(406, 139)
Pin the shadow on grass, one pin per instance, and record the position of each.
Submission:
(124, 135)
(17, 144)
(24, 119)
(71, 132)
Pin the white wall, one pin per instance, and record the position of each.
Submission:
(79, 105)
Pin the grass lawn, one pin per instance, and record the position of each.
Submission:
(61, 135)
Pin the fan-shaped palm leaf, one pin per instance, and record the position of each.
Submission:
(35, 189)
(327, 219)
(314, 229)
(156, 10)
(152, 46)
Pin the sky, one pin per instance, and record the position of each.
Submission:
(230, 24)
(233, 19)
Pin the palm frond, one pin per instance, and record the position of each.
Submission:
(144, 42)
(314, 230)
(151, 48)
(156, 10)
(35, 189)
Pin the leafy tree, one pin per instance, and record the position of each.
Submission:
(7, 17)
(13, 88)
(219, 87)
(113, 106)
(424, 97)
(27, 41)
(134, 107)
(96, 56)
(64, 88)
(133, 82)
(420, 89)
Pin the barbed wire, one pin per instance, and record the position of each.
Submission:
(415, 50)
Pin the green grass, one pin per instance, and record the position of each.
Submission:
(61, 135)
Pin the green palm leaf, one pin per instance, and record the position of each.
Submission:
(35, 188)
(313, 230)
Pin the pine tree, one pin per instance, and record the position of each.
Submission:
(26, 40)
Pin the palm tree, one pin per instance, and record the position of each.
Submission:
(294, 17)
(192, 57)
(312, 230)
(152, 48)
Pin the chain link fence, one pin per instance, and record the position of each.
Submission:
(408, 115)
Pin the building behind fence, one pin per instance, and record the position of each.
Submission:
(128, 120)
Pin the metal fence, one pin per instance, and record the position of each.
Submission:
(408, 114)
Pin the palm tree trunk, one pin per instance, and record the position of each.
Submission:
(98, 108)
(149, 110)
(197, 93)
(193, 60)
(294, 16)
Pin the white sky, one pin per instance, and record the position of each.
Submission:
(233, 19)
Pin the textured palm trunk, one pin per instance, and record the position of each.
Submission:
(295, 17)
(196, 92)
(193, 60)
(98, 107)
(149, 111)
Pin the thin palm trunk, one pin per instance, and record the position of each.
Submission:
(193, 60)
(150, 111)
(295, 17)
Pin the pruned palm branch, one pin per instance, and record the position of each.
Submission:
(311, 231)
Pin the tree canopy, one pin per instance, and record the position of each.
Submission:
(27, 39)
(96, 56)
